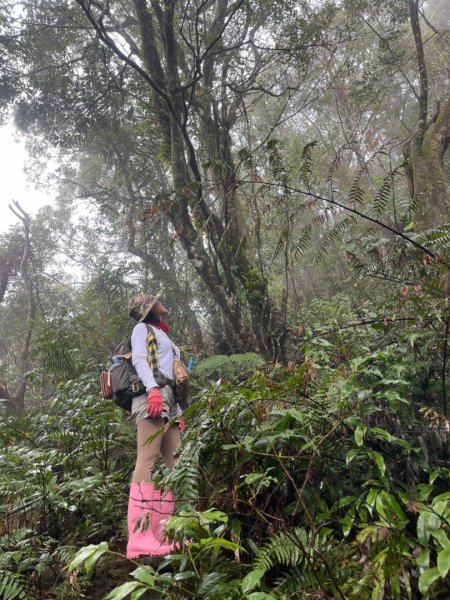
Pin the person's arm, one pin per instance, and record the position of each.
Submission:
(139, 356)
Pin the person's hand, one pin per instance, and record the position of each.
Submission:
(154, 403)
(182, 424)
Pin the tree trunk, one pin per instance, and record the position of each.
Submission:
(424, 152)
(424, 155)
(19, 397)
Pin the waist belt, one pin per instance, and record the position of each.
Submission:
(162, 380)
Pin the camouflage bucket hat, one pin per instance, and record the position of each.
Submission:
(140, 305)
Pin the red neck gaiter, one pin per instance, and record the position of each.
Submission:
(160, 325)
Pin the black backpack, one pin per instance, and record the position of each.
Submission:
(121, 382)
(124, 380)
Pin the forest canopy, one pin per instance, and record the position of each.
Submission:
(280, 169)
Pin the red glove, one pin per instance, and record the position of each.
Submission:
(182, 424)
(154, 403)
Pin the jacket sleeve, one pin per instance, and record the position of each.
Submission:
(139, 356)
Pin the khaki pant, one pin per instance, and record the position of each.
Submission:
(164, 444)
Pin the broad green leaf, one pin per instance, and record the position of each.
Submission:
(209, 583)
(124, 590)
(441, 537)
(359, 435)
(184, 575)
(442, 497)
(434, 475)
(251, 580)
(381, 433)
(388, 507)
(426, 523)
(423, 560)
(443, 562)
(138, 593)
(379, 461)
(89, 555)
(351, 455)
(371, 498)
(145, 574)
(427, 578)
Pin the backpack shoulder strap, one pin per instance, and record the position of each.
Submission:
(152, 349)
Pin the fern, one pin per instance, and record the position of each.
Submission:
(284, 548)
(303, 241)
(383, 196)
(184, 479)
(385, 193)
(246, 158)
(232, 366)
(299, 578)
(284, 236)
(276, 163)
(306, 163)
(335, 235)
(14, 587)
(357, 193)
(438, 237)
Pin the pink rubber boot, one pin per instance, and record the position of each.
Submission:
(144, 543)
(163, 508)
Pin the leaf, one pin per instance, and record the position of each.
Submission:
(443, 562)
(145, 574)
(379, 461)
(428, 578)
(88, 555)
(251, 580)
(426, 523)
(209, 583)
(371, 498)
(388, 507)
(381, 433)
(124, 590)
(351, 455)
(441, 498)
(359, 436)
(423, 560)
(441, 537)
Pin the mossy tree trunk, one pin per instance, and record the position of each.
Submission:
(424, 152)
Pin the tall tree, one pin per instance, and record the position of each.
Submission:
(425, 150)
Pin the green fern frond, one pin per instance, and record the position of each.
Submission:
(14, 587)
(383, 196)
(303, 241)
(283, 237)
(276, 162)
(246, 158)
(335, 163)
(306, 163)
(184, 480)
(283, 549)
(357, 193)
(300, 578)
(334, 235)
(439, 236)
(232, 366)
(217, 166)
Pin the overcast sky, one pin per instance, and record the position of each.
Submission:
(13, 180)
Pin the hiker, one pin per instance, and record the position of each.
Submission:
(153, 354)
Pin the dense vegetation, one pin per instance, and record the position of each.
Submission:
(281, 170)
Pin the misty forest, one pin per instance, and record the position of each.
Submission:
(280, 170)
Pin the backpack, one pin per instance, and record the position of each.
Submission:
(121, 382)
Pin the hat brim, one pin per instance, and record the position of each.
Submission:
(148, 307)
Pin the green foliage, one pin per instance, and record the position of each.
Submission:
(228, 367)
(61, 484)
